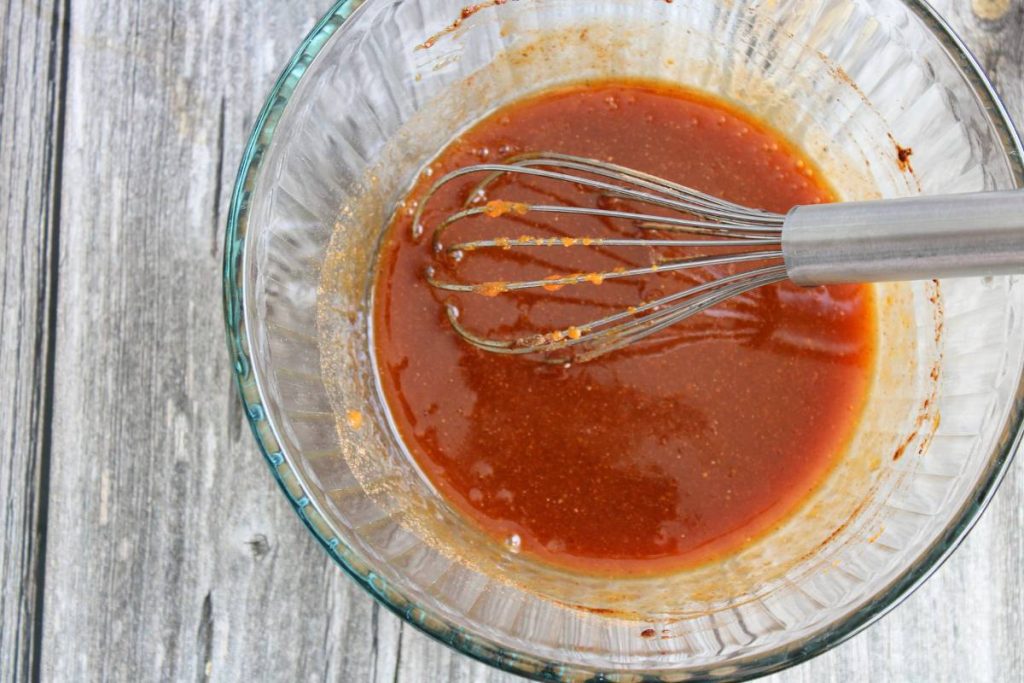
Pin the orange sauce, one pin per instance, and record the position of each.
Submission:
(668, 453)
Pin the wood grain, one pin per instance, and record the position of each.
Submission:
(169, 553)
(32, 60)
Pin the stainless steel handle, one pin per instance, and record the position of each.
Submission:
(919, 238)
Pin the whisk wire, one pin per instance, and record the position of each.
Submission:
(670, 196)
(689, 196)
(553, 283)
(604, 335)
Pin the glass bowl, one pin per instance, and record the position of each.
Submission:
(887, 100)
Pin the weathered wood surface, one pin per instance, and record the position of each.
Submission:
(125, 465)
(32, 56)
(169, 553)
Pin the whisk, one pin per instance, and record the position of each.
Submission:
(918, 238)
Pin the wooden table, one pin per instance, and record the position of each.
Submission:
(142, 537)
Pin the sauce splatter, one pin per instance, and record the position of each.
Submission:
(662, 455)
(903, 158)
(498, 208)
(466, 13)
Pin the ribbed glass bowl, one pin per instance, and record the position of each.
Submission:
(370, 97)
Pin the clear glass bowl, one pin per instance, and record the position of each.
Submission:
(365, 104)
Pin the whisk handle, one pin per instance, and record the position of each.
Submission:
(918, 238)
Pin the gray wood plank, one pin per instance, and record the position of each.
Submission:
(31, 59)
(171, 554)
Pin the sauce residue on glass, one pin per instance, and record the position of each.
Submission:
(669, 453)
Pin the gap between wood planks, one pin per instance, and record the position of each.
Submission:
(33, 78)
(46, 337)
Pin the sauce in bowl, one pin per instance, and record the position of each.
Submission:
(668, 453)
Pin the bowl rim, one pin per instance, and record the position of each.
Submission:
(298, 491)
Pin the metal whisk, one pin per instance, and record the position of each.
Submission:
(891, 240)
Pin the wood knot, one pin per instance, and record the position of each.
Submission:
(259, 546)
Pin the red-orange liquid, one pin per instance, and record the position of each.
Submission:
(662, 455)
